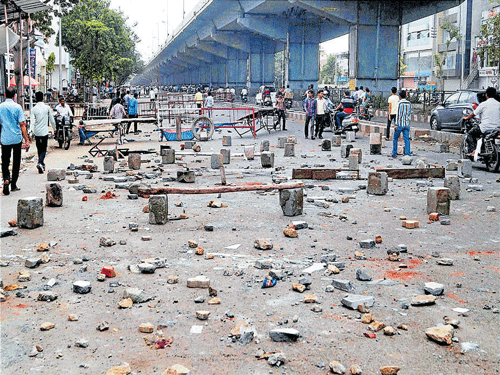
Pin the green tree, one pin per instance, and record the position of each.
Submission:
(402, 65)
(331, 70)
(440, 57)
(100, 43)
(489, 33)
(50, 66)
(43, 20)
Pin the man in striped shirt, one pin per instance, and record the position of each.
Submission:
(402, 124)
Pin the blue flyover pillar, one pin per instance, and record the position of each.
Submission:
(261, 64)
(237, 68)
(303, 66)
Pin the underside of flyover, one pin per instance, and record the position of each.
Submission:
(233, 42)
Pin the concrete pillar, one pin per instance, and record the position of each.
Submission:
(158, 209)
(336, 141)
(267, 159)
(108, 164)
(226, 155)
(261, 64)
(465, 168)
(216, 161)
(264, 145)
(226, 141)
(30, 212)
(168, 156)
(358, 153)
(303, 67)
(438, 200)
(53, 195)
(289, 150)
(292, 201)
(377, 183)
(134, 161)
(249, 152)
(281, 142)
(56, 174)
(353, 162)
(237, 62)
(453, 183)
(375, 143)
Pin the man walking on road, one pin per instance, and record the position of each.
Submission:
(13, 129)
(280, 107)
(41, 115)
(393, 103)
(402, 123)
(310, 108)
(320, 114)
(133, 105)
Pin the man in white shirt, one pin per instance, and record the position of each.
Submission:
(63, 110)
(360, 94)
(118, 111)
(41, 115)
(393, 110)
(489, 112)
(321, 104)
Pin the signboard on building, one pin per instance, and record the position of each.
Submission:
(352, 84)
(32, 62)
(488, 72)
(342, 79)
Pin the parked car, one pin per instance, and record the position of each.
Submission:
(266, 96)
(448, 115)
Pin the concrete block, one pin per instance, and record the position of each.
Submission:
(291, 139)
(358, 153)
(226, 155)
(438, 200)
(344, 285)
(226, 141)
(134, 161)
(188, 145)
(352, 301)
(56, 174)
(377, 183)
(158, 209)
(108, 164)
(465, 168)
(168, 156)
(289, 150)
(281, 142)
(375, 138)
(442, 147)
(30, 212)
(249, 152)
(350, 137)
(216, 161)
(267, 159)
(453, 183)
(353, 162)
(264, 146)
(376, 149)
(53, 195)
(292, 201)
(185, 176)
(336, 141)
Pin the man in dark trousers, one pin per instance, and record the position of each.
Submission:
(310, 108)
(41, 116)
(280, 107)
(13, 128)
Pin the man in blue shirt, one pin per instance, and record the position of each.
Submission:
(310, 107)
(133, 105)
(402, 123)
(13, 129)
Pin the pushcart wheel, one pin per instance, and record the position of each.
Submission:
(203, 128)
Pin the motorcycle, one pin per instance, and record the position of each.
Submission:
(288, 100)
(244, 98)
(366, 112)
(489, 146)
(64, 130)
(349, 123)
(267, 100)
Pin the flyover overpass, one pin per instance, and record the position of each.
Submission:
(233, 42)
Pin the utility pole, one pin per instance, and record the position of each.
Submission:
(60, 55)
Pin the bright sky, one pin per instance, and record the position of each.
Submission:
(152, 17)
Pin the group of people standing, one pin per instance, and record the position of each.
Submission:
(125, 105)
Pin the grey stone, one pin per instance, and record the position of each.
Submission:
(345, 150)
(465, 168)
(453, 183)
(263, 264)
(267, 159)
(326, 145)
(56, 174)
(6, 232)
(120, 179)
(362, 275)
(216, 161)
(87, 190)
(300, 224)
(445, 262)
(339, 265)
(30, 212)
(47, 296)
(292, 201)
(249, 152)
(377, 183)
(284, 335)
(246, 337)
(445, 221)
(226, 141)
(134, 161)
(367, 244)
(82, 287)
(438, 200)
(352, 301)
(344, 285)
(277, 274)
(406, 160)
(146, 268)
(186, 176)
(328, 258)
(276, 359)
(158, 209)
(134, 187)
(136, 295)
(122, 186)
(353, 163)
(442, 147)
(32, 262)
(475, 187)
(435, 289)
(289, 150)
(281, 142)
(451, 165)
(132, 196)
(53, 195)
(108, 164)
(168, 156)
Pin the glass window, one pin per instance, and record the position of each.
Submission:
(464, 98)
(453, 99)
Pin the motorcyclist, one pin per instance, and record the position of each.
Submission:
(345, 108)
(489, 112)
(244, 92)
(64, 114)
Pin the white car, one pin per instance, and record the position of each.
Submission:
(266, 96)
